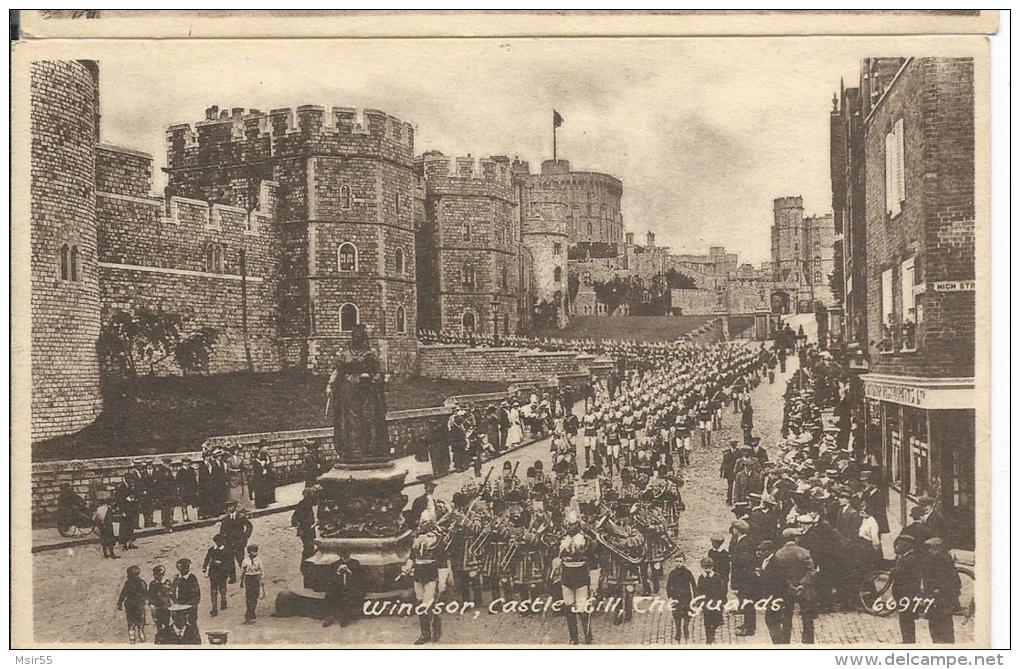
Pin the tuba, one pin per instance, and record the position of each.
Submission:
(611, 538)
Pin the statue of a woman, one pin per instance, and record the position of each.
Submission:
(358, 395)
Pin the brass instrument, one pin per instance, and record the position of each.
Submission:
(517, 541)
(600, 538)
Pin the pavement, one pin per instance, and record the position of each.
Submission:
(75, 589)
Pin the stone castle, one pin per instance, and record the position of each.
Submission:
(282, 230)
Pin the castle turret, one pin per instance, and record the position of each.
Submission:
(470, 280)
(65, 275)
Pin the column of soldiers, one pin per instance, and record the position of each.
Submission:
(808, 526)
(595, 535)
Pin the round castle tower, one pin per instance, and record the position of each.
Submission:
(65, 275)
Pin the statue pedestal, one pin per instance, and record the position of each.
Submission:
(360, 516)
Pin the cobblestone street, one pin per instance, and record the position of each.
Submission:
(75, 590)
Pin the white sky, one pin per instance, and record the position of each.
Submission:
(703, 132)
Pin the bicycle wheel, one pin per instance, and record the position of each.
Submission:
(66, 530)
(875, 593)
(966, 608)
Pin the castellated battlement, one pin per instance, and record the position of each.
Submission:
(246, 134)
(465, 175)
(125, 176)
(788, 202)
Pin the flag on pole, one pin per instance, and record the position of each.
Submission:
(557, 119)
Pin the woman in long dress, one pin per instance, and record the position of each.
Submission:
(263, 482)
(515, 433)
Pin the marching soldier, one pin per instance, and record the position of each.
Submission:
(574, 578)
(423, 567)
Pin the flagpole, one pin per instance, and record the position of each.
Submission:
(554, 136)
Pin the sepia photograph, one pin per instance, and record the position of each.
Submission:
(501, 342)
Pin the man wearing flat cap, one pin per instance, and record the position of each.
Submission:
(796, 567)
(906, 583)
(743, 578)
(941, 582)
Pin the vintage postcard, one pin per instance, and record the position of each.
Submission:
(500, 340)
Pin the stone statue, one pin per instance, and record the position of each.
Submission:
(358, 395)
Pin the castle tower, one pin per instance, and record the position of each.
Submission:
(544, 234)
(65, 276)
(788, 238)
(345, 229)
(470, 279)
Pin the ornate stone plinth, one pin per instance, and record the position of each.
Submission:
(360, 516)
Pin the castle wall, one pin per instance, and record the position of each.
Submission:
(65, 304)
(344, 178)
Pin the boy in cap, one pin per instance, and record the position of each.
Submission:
(217, 564)
(941, 582)
(720, 558)
(253, 582)
(185, 589)
(159, 597)
(713, 592)
(132, 601)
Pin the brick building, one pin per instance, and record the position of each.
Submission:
(802, 253)
(916, 143)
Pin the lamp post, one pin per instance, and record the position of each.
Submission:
(495, 319)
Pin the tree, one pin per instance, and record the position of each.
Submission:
(147, 337)
(676, 280)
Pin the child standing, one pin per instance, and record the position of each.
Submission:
(132, 600)
(720, 558)
(253, 582)
(711, 588)
(217, 564)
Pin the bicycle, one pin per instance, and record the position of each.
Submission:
(875, 593)
(78, 524)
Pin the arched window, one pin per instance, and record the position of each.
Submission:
(818, 277)
(468, 322)
(345, 197)
(210, 260)
(401, 320)
(468, 275)
(347, 257)
(589, 228)
(219, 258)
(65, 262)
(467, 232)
(818, 261)
(74, 263)
(557, 248)
(348, 317)
(504, 278)
(557, 274)
(399, 261)
(396, 202)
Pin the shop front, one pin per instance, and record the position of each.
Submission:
(921, 432)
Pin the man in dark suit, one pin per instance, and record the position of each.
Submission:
(933, 519)
(728, 469)
(504, 425)
(773, 587)
(147, 490)
(186, 480)
(906, 578)
(758, 451)
(422, 503)
(916, 527)
(796, 567)
(164, 493)
(941, 582)
(875, 501)
(236, 529)
(681, 588)
(743, 578)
